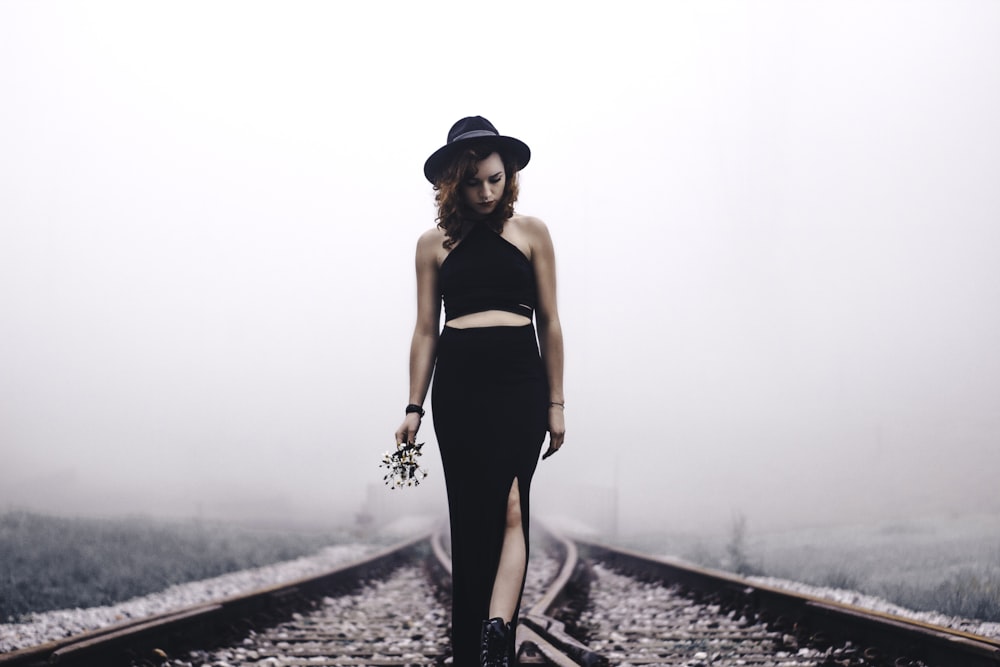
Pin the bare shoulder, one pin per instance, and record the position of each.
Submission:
(529, 224)
(429, 245)
(431, 236)
(533, 231)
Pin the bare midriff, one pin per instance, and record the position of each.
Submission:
(488, 318)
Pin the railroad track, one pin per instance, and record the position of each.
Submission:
(584, 604)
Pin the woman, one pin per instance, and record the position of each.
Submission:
(494, 394)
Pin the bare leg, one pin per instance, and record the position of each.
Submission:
(513, 561)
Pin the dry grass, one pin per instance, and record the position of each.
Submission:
(58, 563)
(945, 564)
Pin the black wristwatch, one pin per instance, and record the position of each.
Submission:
(413, 407)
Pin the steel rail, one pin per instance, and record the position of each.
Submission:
(151, 636)
(541, 617)
(886, 633)
(538, 629)
(542, 637)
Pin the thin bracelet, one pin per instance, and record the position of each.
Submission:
(554, 403)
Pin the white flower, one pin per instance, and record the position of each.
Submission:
(403, 469)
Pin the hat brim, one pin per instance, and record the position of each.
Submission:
(509, 146)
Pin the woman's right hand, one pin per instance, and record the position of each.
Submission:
(407, 431)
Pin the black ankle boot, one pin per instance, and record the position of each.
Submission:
(494, 648)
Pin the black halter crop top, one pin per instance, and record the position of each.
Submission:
(486, 272)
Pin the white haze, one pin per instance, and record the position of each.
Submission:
(777, 228)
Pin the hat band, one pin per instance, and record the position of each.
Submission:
(472, 134)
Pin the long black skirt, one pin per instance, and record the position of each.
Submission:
(490, 403)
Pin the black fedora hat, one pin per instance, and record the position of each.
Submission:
(471, 129)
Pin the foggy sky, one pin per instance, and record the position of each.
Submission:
(777, 229)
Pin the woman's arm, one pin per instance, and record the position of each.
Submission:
(425, 334)
(550, 337)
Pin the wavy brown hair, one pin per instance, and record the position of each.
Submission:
(455, 216)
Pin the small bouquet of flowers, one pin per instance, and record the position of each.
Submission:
(403, 467)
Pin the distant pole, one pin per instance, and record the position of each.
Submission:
(614, 502)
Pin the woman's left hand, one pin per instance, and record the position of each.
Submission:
(557, 430)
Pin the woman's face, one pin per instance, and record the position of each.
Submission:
(484, 189)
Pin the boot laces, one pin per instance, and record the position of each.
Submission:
(493, 649)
